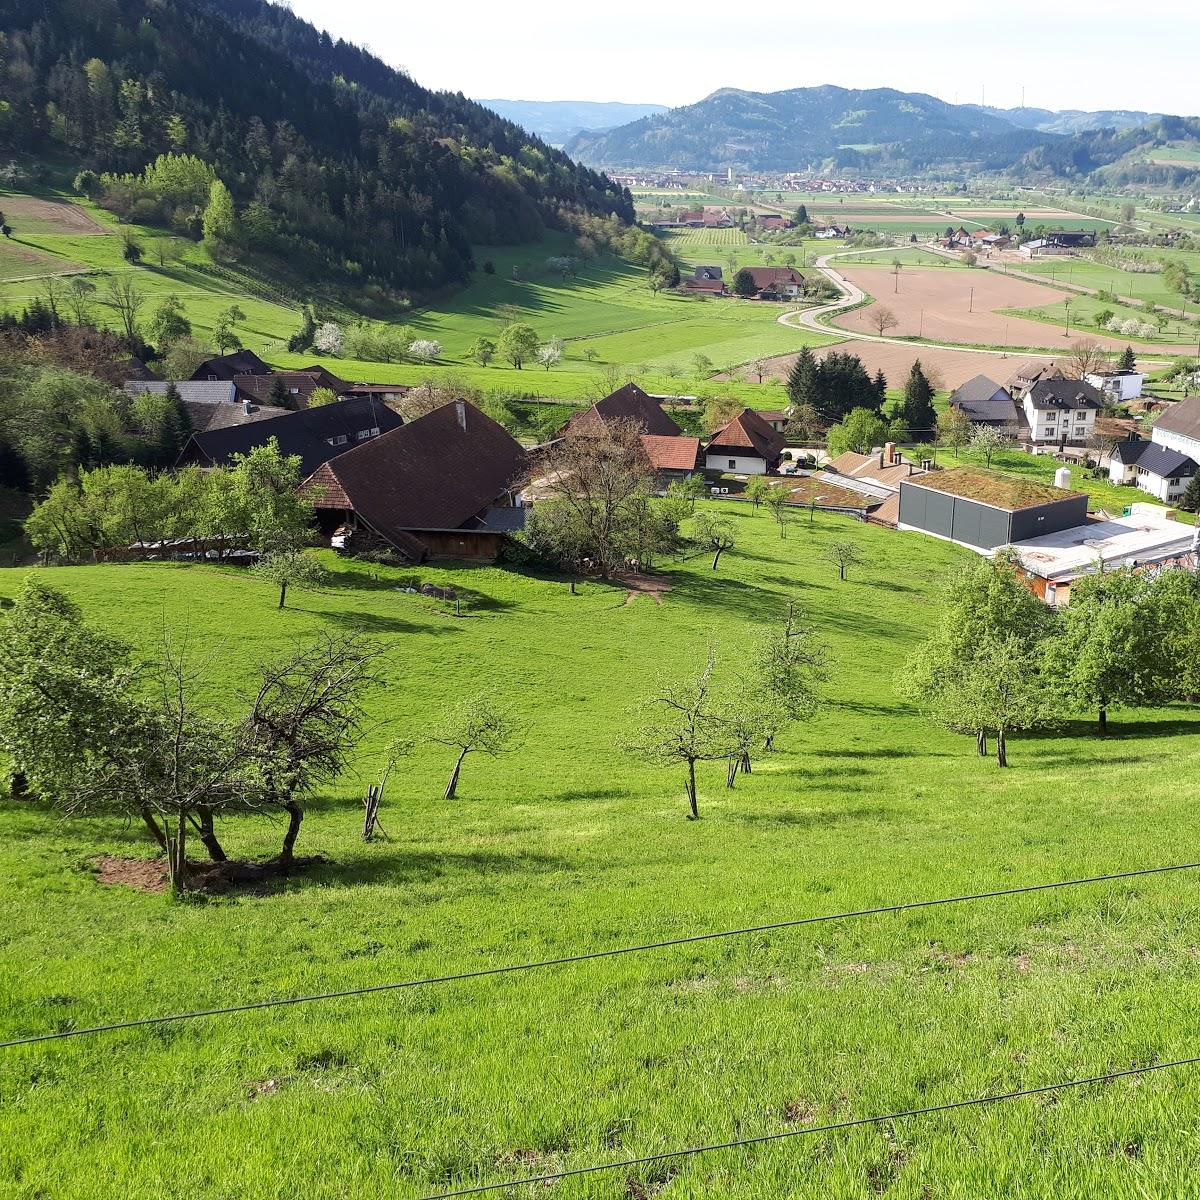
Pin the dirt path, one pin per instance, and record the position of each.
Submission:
(654, 586)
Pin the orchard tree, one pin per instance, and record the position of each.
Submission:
(680, 724)
(1109, 652)
(954, 429)
(224, 337)
(169, 324)
(861, 431)
(517, 345)
(290, 568)
(790, 663)
(987, 439)
(986, 605)
(551, 353)
(482, 350)
(779, 505)
(715, 533)
(844, 555)
(125, 297)
(479, 724)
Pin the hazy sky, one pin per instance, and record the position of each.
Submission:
(1065, 53)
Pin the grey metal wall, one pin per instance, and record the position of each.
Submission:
(1066, 513)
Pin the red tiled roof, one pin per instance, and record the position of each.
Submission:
(704, 285)
(628, 403)
(324, 490)
(748, 431)
(671, 453)
(436, 472)
(766, 276)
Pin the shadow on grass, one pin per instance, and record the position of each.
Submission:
(379, 623)
(813, 819)
(408, 866)
(590, 794)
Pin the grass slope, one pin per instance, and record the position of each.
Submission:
(568, 846)
(607, 311)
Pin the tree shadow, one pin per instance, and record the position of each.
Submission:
(413, 866)
(376, 622)
(609, 793)
(816, 819)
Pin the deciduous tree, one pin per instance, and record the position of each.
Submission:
(479, 724)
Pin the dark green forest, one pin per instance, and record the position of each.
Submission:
(333, 158)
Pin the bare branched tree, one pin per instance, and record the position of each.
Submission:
(479, 724)
(305, 718)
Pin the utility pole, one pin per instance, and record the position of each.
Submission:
(971, 302)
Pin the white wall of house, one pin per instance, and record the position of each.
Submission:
(1047, 425)
(1176, 441)
(1167, 489)
(1126, 386)
(738, 464)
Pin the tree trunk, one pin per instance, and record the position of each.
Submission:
(731, 768)
(177, 856)
(573, 592)
(769, 743)
(155, 830)
(693, 811)
(1103, 724)
(981, 742)
(716, 559)
(1001, 749)
(208, 835)
(295, 816)
(745, 763)
(452, 786)
(282, 594)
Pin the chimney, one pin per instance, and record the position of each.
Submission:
(460, 410)
(247, 407)
(1062, 478)
(889, 454)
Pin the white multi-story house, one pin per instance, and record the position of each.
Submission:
(1118, 386)
(1162, 472)
(1061, 412)
(1178, 428)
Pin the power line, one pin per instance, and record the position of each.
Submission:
(586, 956)
(973, 1102)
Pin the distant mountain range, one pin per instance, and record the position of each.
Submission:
(557, 121)
(1073, 120)
(881, 130)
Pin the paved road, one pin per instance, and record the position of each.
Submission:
(808, 318)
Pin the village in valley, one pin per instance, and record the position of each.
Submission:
(662, 662)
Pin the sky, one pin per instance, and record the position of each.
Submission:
(1065, 54)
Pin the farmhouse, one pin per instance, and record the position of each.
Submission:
(673, 458)
(745, 446)
(226, 366)
(1147, 539)
(1029, 373)
(1061, 412)
(315, 435)
(292, 388)
(1154, 468)
(706, 279)
(877, 477)
(1062, 241)
(1117, 386)
(442, 486)
(1179, 428)
(210, 404)
(984, 402)
(628, 403)
(984, 510)
(775, 283)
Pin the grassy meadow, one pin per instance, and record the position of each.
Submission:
(568, 845)
(607, 314)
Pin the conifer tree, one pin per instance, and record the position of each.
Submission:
(919, 414)
(802, 379)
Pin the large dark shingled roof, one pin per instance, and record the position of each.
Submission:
(303, 433)
(438, 472)
(628, 403)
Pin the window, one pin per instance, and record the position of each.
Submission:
(363, 434)
(733, 464)
(340, 440)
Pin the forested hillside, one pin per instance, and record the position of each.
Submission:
(333, 159)
(802, 127)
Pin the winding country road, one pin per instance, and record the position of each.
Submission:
(852, 294)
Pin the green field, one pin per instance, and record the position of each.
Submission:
(606, 311)
(569, 846)
(1141, 286)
